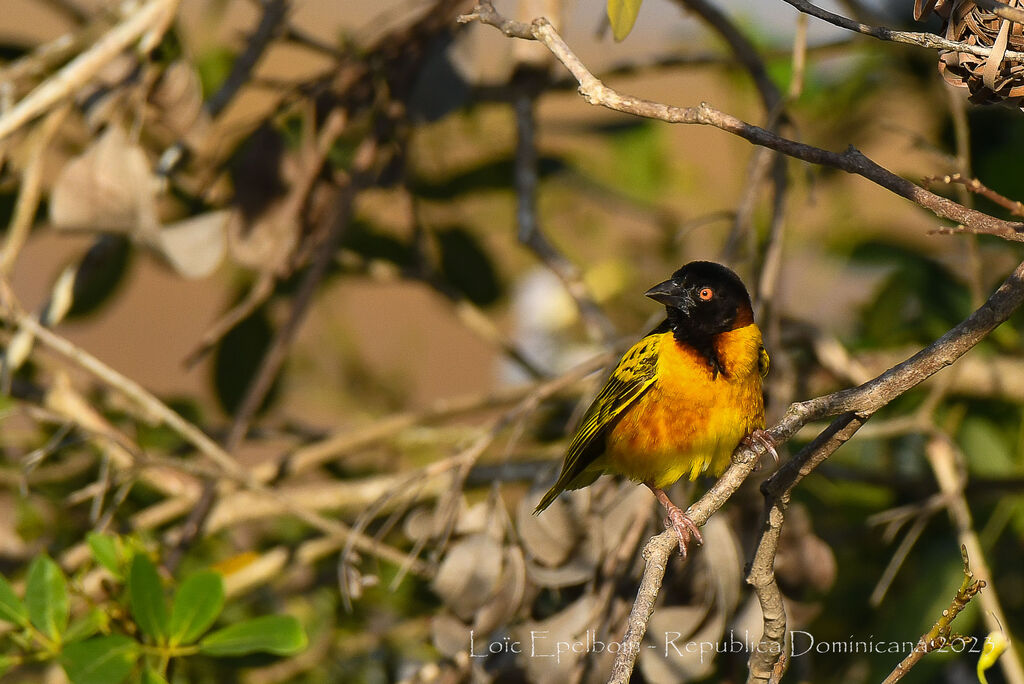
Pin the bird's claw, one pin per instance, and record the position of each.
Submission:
(763, 438)
(684, 528)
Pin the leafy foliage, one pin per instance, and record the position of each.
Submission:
(96, 650)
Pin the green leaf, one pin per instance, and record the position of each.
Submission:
(104, 550)
(147, 597)
(278, 634)
(86, 626)
(622, 16)
(197, 604)
(11, 607)
(7, 662)
(150, 676)
(101, 660)
(46, 595)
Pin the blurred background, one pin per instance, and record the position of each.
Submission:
(428, 367)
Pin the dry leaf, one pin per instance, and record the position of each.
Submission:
(450, 635)
(551, 536)
(267, 242)
(684, 640)
(578, 570)
(481, 517)
(468, 575)
(420, 523)
(195, 246)
(178, 98)
(108, 188)
(722, 561)
(506, 603)
(631, 501)
(547, 646)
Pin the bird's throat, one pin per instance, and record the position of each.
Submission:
(705, 346)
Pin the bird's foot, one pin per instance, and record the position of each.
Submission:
(765, 440)
(677, 520)
(684, 528)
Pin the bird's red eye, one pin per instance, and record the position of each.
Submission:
(706, 293)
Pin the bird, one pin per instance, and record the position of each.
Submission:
(681, 399)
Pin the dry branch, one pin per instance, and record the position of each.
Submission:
(81, 69)
(940, 635)
(925, 40)
(852, 160)
(224, 462)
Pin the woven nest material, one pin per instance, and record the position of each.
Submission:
(989, 79)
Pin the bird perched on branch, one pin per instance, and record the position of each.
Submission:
(681, 399)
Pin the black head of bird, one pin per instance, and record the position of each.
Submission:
(703, 299)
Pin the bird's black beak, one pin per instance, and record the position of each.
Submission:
(669, 293)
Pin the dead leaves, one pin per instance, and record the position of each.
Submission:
(498, 586)
(111, 188)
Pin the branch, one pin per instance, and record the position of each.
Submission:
(82, 68)
(224, 462)
(277, 352)
(943, 459)
(851, 161)
(597, 323)
(858, 404)
(768, 661)
(939, 635)
(925, 40)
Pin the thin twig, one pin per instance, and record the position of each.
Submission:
(925, 40)
(852, 160)
(940, 635)
(29, 192)
(976, 186)
(530, 234)
(153, 407)
(946, 464)
(81, 69)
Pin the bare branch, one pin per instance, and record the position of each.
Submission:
(939, 635)
(943, 458)
(976, 186)
(851, 161)
(926, 40)
(530, 233)
(82, 68)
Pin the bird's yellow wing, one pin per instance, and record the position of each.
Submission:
(634, 374)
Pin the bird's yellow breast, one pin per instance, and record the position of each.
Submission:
(690, 420)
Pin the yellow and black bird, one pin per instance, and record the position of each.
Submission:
(681, 399)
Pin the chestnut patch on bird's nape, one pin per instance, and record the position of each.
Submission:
(744, 316)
